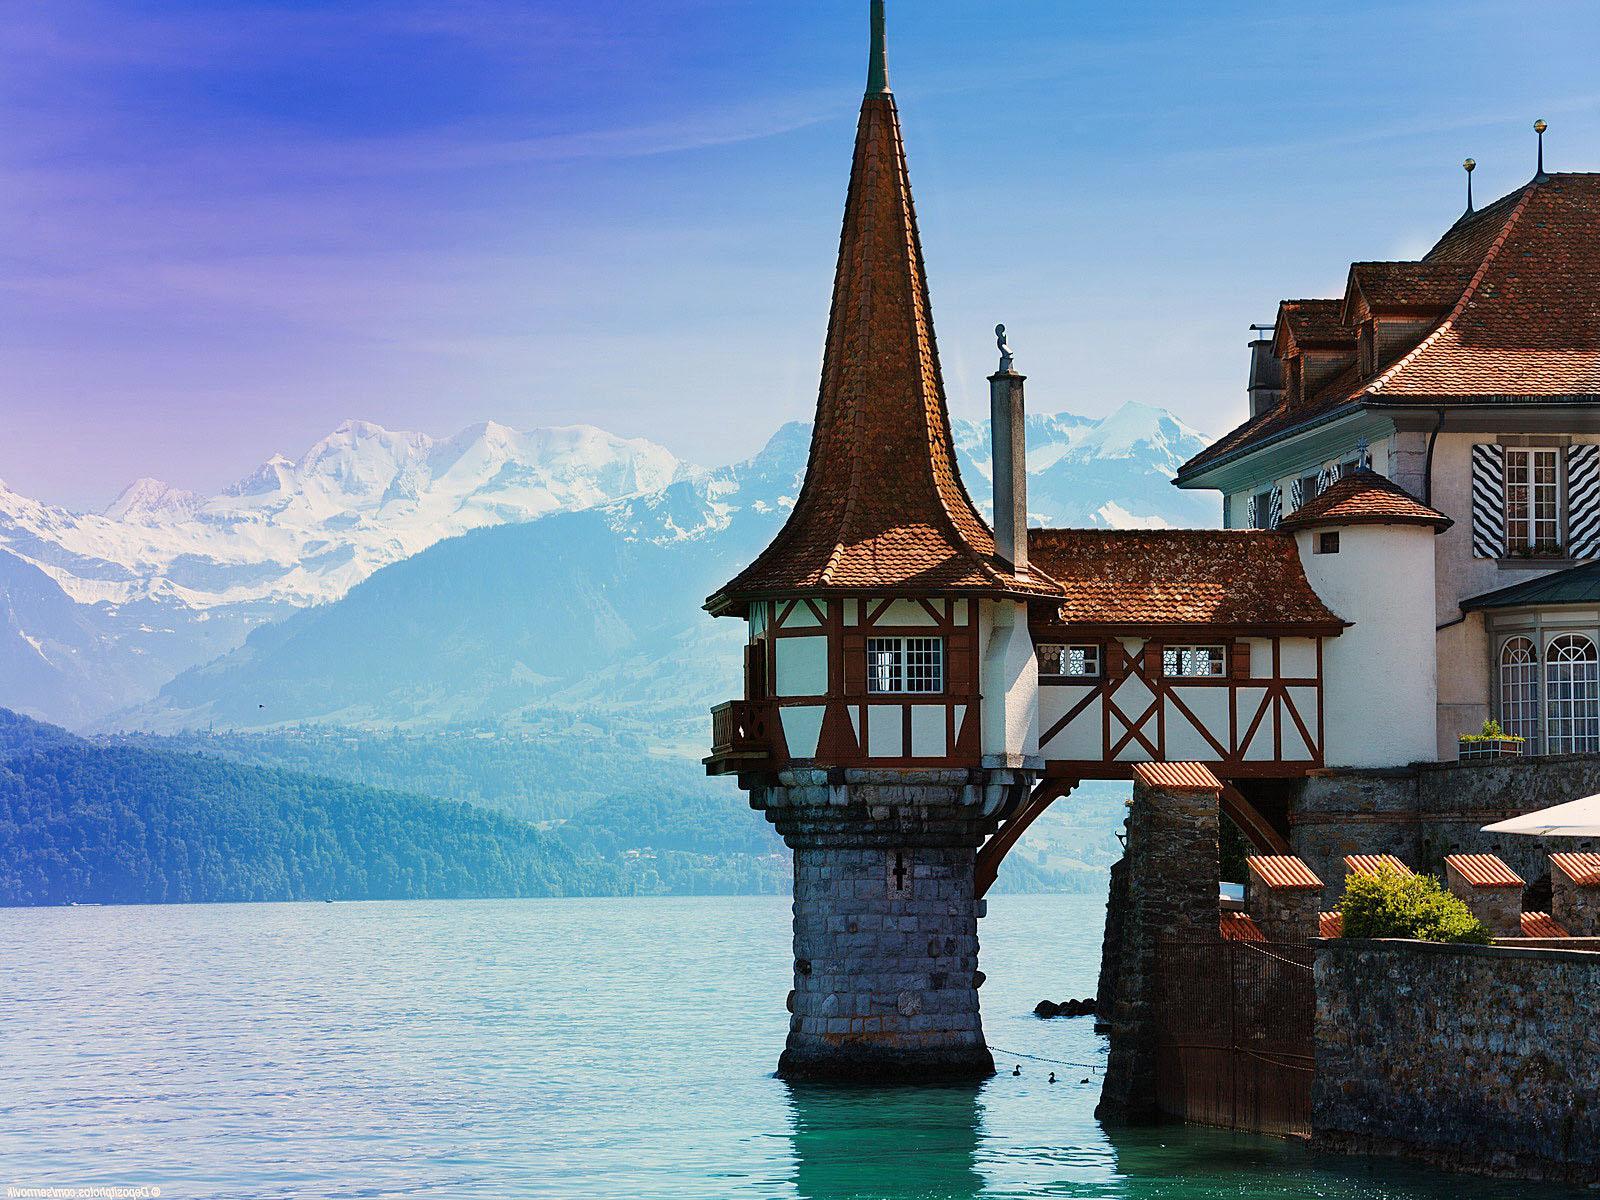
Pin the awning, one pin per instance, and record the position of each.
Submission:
(1575, 585)
(1576, 818)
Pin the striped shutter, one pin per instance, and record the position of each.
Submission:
(1488, 501)
(1275, 507)
(1297, 494)
(1583, 501)
(1327, 477)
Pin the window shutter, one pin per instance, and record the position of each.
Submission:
(1240, 653)
(1488, 501)
(1583, 501)
(1275, 507)
(958, 665)
(855, 664)
(1152, 659)
(1297, 493)
(1327, 477)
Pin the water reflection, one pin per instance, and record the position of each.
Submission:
(884, 1144)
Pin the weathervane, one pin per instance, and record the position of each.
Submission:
(1006, 361)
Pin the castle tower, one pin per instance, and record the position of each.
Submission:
(889, 717)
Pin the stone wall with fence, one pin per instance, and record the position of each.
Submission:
(1482, 1058)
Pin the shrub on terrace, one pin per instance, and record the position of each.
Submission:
(1392, 904)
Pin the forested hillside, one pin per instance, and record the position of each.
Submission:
(117, 824)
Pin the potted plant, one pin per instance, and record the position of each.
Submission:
(1489, 742)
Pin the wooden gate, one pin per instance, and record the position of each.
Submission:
(1234, 1030)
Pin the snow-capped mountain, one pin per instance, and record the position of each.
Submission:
(301, 532)
(607, 631)
(617, 542)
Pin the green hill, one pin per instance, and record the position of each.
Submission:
(81, 822)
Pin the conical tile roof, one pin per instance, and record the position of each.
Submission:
(882, 509)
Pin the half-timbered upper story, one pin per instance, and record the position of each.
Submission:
(1179, 645)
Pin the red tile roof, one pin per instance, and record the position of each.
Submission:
(1418, 286)
(1483, 871)
(1365, 498)
(1176, 776)
(1582, 869)
(1136, 577)
(1238, 927)
(1330, 925)
(1516, 287)
(1315, 322)
(882, 507)
(1283, 872)
(1370, 864)
(1541, 925)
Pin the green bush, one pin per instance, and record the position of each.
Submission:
(1392, 904)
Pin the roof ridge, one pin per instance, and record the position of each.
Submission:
(1377, 384)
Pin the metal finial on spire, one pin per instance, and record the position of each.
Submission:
(1539, 127)
(1469, 167)
(1007, 362)
(878, 63)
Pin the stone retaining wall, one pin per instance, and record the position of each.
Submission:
(1422, 813)
(1481, 1058)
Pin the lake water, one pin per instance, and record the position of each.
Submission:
(583, 1048)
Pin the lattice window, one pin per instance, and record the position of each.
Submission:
(905, 664)
(1572, 695)
(1193, 662)
(1533, 500)
(1069, 662)
(1519, 690)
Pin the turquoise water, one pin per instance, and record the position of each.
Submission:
(583, 1048)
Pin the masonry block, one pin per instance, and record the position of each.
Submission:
(1492, 890)
(1575, 893)
(886, 922)
(1171, 884)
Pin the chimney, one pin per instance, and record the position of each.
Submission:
(1266, 372)
(1009, 434)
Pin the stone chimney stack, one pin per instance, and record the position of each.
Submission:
(1009, 432)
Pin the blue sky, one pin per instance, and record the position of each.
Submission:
(227, 227)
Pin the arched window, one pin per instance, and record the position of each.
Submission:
(1572, 692)
(1519, 690)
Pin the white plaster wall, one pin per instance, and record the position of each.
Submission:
(1009, 680)
(1380, 675)
(802, 666)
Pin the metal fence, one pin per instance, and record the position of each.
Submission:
(1234, 1030)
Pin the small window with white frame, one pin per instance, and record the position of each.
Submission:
(905, 664)
(1194, 662)
(1533, 500)
(1058, 661)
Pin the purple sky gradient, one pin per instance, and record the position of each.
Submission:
(227, 227)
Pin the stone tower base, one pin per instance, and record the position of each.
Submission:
(886, 920)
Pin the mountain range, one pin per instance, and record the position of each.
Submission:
(547, 582)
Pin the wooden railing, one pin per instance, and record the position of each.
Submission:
(738, 737)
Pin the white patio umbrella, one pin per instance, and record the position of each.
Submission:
(1576, 818)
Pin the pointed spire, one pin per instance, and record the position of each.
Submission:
(882, 505)
(878, 61)
(1469, 167)
(1539, 127)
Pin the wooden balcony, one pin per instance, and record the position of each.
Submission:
(739, 740)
